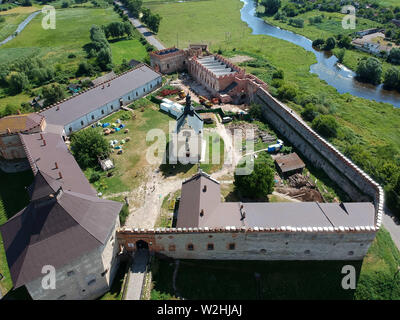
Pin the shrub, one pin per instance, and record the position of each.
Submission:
(309, 113)
(326, 125)
(287, 92)
(95, 176)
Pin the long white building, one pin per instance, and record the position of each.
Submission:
(81, 110)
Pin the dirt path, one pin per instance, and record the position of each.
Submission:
(145, 201)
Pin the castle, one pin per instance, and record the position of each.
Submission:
(68, 226)
(209, 229)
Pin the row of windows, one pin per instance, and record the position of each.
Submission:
(112, 107)
(210, 246)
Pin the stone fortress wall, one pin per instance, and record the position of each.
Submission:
(285, 242)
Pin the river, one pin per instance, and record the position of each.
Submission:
(326, 67)
(21, 27)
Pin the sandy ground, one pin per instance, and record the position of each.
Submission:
(240, 58)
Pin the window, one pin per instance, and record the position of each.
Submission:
(307, 252)
(70, 273)
(112, 238)
(231, 246)
(91, 282)
(112, 107)
(92, 117)
(81, 123)
(210, 246)
(190, 247)
(171, 247)
(102, 111)
(129, 97)
(351, 253)
(151, 86)
(167, 66)
(263, 251)
(136, 94)
(70, 129)
(144, 89)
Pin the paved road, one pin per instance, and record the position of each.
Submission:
(142, 29)
(392, 225)
(137, 275)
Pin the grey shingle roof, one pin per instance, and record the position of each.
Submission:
(55, 230)
(217, 214)
(86, 102)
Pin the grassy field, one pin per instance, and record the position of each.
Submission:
(199, 21)
(69, 38)
(197, 279)
(330, 26)
(130, 167)
(13, 18)
(13, 197)
(128, 49)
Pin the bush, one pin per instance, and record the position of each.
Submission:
(287, 92)
(326, 125)
(309, 113)
(278, 74)
(95, 176)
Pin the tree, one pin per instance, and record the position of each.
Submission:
(52, 94)
(341, 54)
(394, 56)
(258, 184)
(344, 42)
(370, 70)
(271, 6)
(318, 43)
(392, 78)
(87, 145)
(326, 125)
(17, 82)
(330, 44)
(85, 69)
(154, 22)
(104, 59)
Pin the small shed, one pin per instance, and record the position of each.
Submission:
(105, 163)
(289, 164)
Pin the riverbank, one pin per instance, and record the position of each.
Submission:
(330, 26)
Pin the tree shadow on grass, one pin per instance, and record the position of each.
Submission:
(13, 193)
(18, 294)
(265, 280)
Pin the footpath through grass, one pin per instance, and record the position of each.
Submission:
(259, 280)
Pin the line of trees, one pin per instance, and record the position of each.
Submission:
(118, 29)
(152, 20)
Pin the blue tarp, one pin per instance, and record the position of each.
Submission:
(105, 125)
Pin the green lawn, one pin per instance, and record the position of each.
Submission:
(130, 167)
(128, 49)
(199, 279)
(13, 198)
(11, 24)
(207, 21)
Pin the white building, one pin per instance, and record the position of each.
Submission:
(88, 107)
